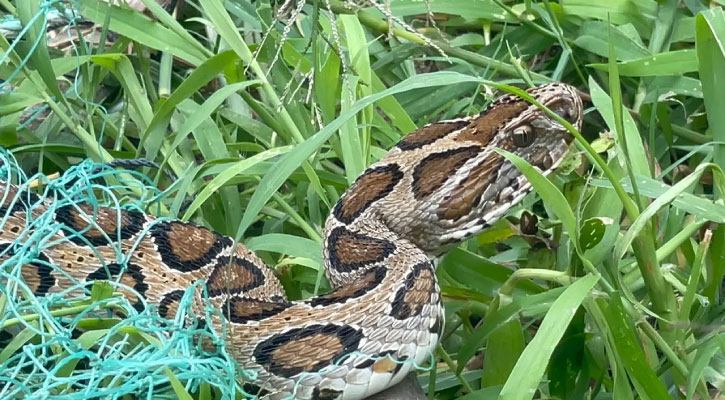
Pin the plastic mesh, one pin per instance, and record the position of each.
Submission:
(83, 343)
(67, 345)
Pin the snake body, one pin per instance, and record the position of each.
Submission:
(439, 185)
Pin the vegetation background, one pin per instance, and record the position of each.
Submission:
(268, 110)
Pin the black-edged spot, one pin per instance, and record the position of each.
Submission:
(483, 128)
(187, 247)
(437, 327)
(169, 304)
(306, 349)
(38, 274)
(467, 194)
(325, 394)
(350, 251)
(361, 285)
(383, 362)
(371, 186)
(420, 284)
(435, 169)
(241, 310)
(97, 225)
(131, 276)
(429, 134)
(388, 365)
(234, 275)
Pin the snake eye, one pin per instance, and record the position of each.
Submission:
(524, 136)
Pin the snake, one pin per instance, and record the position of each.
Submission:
(438, 186)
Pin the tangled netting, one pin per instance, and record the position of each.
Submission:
(88, 341)
(67, 345)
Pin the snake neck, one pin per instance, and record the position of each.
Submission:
(351, 251)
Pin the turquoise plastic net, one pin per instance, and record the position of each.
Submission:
(94, 345)
(85, 342)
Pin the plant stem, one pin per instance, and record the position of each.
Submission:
(453, 367)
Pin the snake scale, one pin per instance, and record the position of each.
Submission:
(439, 185)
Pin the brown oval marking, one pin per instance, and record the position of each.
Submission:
(306, 349)
(350, 251)
(132, 276)
(98, 226)
(38, 274)
(384, 364)
(363, 284)
(419, 287)
(429, 134)
(187, 247)
(483, 128)
(241, 310)
(433, 170)
(371, 186)
(467, 194)
(234, 276)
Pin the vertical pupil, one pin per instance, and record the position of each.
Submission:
(523, 137)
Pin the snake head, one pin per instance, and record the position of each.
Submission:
(444, 182)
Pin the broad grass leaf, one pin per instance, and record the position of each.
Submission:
(498, 318)
(676, 62)
(530, 367)
(710, 34)
(630, 352)
(142, 29)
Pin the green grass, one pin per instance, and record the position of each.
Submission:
(267, 121)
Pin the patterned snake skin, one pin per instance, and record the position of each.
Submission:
(439, 185)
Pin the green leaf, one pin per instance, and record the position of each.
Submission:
(705, 352)
(529, 369)
(593, 36)
(639, 13)
(140, 28)
(503, 348)
(179, 390)
(641, 221)
(592, 231)
(473, 9)
(675, 62)
(500, 317)
(18, 342)
(208, 70)
(637, 154)
(101, 289)
(232, 171)
(35, 45)
(685, 201)
(710, 33)
(287, 244)
(630, 352)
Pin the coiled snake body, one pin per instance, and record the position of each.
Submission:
(438, 186)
